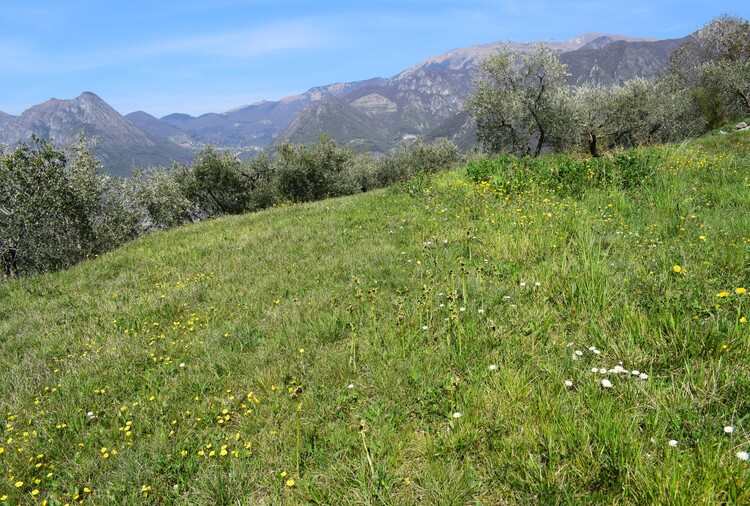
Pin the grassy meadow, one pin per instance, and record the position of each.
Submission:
(451, 340)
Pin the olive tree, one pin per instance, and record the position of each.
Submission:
(517, 102)
(55, 209)
(216, 182)
(307, 173)
(715, 65)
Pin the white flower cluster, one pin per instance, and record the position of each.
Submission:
(617, 370)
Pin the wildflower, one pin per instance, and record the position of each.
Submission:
(424, 327)
(290, 482)
(462, 309)
(606, 383)
(480, 311)
(457, 414)
(302, 350)
(350, 386)
(182, 364)
(673, 443)
(743, 320)
(492, 367)
(722, 294)
(568, 383)
(743, 456)
(635, 372)
(579, 353)
(677, 269)
(522, 284)
(728, 429)
(740, 291)
(18, 484)
(643, 376)
(594, 370)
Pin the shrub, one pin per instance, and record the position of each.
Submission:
(408, 160)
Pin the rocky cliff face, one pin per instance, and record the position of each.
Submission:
(606, 61)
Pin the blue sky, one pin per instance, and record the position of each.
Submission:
(211, 56)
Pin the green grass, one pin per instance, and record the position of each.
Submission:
(322, 353)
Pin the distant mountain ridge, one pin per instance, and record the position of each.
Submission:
(374, 114)
(121, 144)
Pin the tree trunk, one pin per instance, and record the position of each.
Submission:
(10, 265)
(592, 146)
(539, 143)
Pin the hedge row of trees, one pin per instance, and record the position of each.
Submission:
(524, 104)
(57, 209)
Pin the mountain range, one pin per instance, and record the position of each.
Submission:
(372, 115)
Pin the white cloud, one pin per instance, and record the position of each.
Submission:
(254, 41)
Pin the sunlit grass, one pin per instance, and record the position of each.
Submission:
(442, 342)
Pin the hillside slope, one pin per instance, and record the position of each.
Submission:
(408, 346)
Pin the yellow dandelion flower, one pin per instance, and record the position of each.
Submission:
(740, 291)
(283, 474)
(722, 294)
(743, 320)
(35, 492)
(677, 269)
(18, 484)
(87, 490)
(4, 498)
(290, 482)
